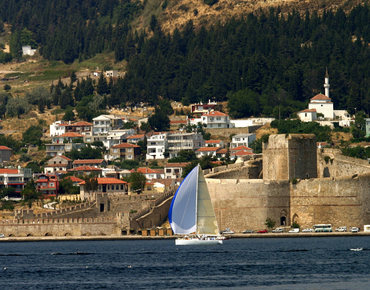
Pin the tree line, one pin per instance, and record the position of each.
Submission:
(270, 63)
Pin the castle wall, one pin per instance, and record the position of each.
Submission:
(59, 227)
(245, 204)
(339, 201)
(338, 165)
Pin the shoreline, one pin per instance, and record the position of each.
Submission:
(136, 237)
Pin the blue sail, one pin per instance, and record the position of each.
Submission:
(183, 210)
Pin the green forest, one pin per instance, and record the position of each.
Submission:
(260, 64)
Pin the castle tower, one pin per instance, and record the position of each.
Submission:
(290, 156)
(326, 85)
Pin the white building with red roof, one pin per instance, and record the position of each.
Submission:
(135, 138)
(212, 120)
(89, 162)
(125, 151)
(58, 163)
(323, 105)
(150, 173)
(12, 178)
(308, 115)
(105, 185)
(207, 151)
(215, 143)
(240, 154)
(241, 148)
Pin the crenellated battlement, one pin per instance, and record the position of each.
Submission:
(58, 221)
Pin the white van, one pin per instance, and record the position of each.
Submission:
(295, 230)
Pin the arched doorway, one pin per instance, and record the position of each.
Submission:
(283, 218)
(295, 219)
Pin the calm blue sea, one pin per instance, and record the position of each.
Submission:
(264, 263)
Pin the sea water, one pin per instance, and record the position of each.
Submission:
(262, 263)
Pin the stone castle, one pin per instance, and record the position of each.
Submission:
(299, 183)
(292, 181)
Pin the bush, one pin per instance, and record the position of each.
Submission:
(295, 225)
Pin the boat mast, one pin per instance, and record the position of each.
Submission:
(196, 202)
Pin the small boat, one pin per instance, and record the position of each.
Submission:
(357, 249)
(191, 213)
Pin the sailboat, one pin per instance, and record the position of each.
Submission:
(191, 213)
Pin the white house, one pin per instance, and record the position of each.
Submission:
(156, 146)
(213, 119)
(69, 137)
(242, 140)
(149, 173)
(57, 128)
(215, 143)
(207, 151)
(27, 50)
(184, 141)
(308, 115)
(174, 170)
(105, 123)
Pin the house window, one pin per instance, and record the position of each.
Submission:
(149, 188)
(168, 170)
(129, 156)
(219, 125)
(305, 114)
(121, 186)
(117, 187)
(115, 150)
(51, 184)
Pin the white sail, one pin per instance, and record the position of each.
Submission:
(206, 219)
(191, 210)
(182, 214)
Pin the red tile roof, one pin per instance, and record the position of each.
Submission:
(88, 161)
(4, 148)
(241, 147)
(207, 149)
(212, 141)
(82, 123)
(214, 113)
(320, 97)
(74, 178)
(71, 134)
(146, 170)
(242, 153)
(308, 111)
(66, 158)
(136, 136)
(85, 168)
(222, 151)
(8, 171)
(107, 180)
(126, 145)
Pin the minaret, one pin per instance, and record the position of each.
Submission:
(326, 85)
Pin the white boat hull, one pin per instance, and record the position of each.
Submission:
(197, 242)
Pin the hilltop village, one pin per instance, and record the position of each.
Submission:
(291, 179)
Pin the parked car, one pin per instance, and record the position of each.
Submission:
(248, 232)
(295, 230)
(277, 230)
(355, 230)
(2, 236)
(262, 231)
(307, 230)
(341, 229)
(227, 231)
